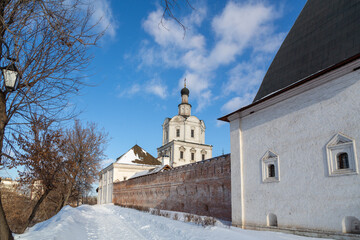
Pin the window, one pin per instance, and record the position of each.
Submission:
(192, 133)
(181, 154)
(342, 161)
(272, 220)
(124, 178)
(270, 167)
(166, 135)
(177, 132)
(341, 156)
(351, 224)
(193, 156)
(271, 170)
(203, 154)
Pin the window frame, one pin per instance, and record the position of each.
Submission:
(341, 144)
(268, 159)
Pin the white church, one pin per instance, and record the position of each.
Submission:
(295, 149)
(183, 143)
(183, 136)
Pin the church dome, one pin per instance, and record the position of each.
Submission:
(185, 91)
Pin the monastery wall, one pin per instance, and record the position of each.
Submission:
(201, 188)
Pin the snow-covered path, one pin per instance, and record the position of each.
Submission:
(113, 222)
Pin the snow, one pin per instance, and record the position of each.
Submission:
(114, 222)
(151, 171)
(128, 157)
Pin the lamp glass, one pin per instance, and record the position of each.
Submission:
(11, 78)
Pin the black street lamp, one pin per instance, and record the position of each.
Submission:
(11, 77)
(10, 72)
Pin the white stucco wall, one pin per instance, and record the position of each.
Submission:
(116, 172)
(185, 125)
(177, 161)
(297, 129)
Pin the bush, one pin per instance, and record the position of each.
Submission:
(208, 221)
(136, 207)
(188, 217)
(155, 212)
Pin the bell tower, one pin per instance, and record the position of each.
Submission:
(184, 106)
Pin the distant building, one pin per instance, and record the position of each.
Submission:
(31, 190)
(9, 184)
(295, 149)
(183, 137)
(133, 161)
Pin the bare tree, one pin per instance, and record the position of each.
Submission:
(169, 6)
(40, 154)
(47, 40)
(84, 150)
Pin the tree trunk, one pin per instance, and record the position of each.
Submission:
(61, 204)
(64, 199)
(5, 232)
(36, 207)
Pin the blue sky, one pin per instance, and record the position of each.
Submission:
(138, 69)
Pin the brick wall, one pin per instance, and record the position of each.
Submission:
(201, 188)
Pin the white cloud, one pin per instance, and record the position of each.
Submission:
(170, 33)
(157, 88)
(104, 15)
(236, 103)
(246, 76)
(154, 87)
(238, 28)
(128, 92)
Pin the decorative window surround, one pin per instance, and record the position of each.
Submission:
(337, 146)
(182, 150)
(270, 158)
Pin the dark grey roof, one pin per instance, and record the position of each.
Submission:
(325, 33)
(185, 91)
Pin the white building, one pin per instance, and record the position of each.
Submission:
(183, 137)
(133, 161)
(295, 150)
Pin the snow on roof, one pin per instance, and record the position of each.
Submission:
(150, 171)
(128, 157)
(137, 155)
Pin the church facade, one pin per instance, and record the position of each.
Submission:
(295, 149)
(183, 137)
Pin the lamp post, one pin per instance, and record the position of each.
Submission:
(11, 80)
(11, 77)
